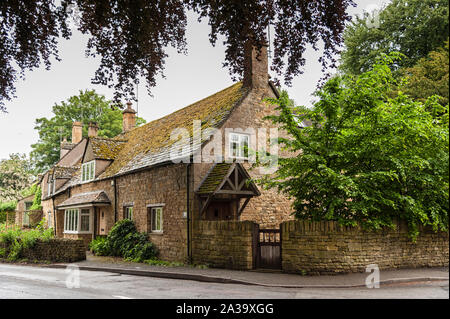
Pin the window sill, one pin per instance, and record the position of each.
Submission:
(77, 232)
(156, 232)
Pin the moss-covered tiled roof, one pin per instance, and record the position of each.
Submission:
(64, 171)
(150, 144)
(106, 148)
(97, 197)
(214, 178)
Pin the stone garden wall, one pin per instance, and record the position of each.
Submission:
(224, 244)
(327, 248)
(55, 250)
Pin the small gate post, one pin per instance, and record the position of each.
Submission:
(255, 248)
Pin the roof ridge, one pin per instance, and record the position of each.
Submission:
(179, 110)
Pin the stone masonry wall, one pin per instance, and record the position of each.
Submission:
(271, 208)
(327, 248)
(56, 250)
(165, 186)
(224, 244)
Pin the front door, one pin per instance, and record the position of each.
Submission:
(219, 210)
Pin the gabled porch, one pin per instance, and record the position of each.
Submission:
(225, 192)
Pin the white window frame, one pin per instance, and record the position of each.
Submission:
(126, 212)
(49, 219)
(88, 171)
(240, 149)
(49, 189)
(161, 219)
(72, 220)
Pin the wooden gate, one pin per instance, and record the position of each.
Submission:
(269, 249)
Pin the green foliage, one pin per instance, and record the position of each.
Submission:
(125, 241)
(99, 246)
(8, 206)
(37, 198)
(16, 175)
(412, 27)
(430, 76)
(86, 107)
(367, 158)
(17, 239)
(163, 263)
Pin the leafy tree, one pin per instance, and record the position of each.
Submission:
(412, 27)
(86, 107)
(430, 76)
(132, 37)
(366, 158)
(16, 175)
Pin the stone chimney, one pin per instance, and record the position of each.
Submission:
(77, 132)
(256, 66)
(129, 118)
(92, 129)
(65, 148)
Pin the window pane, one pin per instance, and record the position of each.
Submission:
(160, 219)
(75, 226)
(244, 146)
(234, 149)
(85, 221)
(153, 219)
(156, 219)
(91, 169)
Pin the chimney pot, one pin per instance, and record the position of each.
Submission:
(77, 132)
(256, 66)
(129, 118)
(92, 129)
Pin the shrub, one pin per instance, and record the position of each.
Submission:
(17, 239)
(99, 246)
(124, 241)
(119, 237)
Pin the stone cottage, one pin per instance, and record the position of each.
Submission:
(24, 216)
(171, 172)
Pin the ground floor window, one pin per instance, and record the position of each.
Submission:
(77, 221)
(156, 218)
(128, 213)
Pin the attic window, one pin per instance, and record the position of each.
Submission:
(238, 144)
(88, 171)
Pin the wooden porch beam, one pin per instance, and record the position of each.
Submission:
(243, 206)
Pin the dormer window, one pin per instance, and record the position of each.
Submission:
(238, 144)
(88, 171)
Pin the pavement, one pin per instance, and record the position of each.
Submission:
(256, 277)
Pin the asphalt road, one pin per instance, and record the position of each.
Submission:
(47, 283)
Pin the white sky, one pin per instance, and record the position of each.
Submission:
(189, 78)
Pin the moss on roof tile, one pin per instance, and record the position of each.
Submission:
(106, 148)
(214, 178)
(154, 137)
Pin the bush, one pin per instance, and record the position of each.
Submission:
(124, 241)
(17, 239)
(99, 246)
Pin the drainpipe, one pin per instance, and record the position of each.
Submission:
(188, 212)
(115, 200)
(54, 216)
